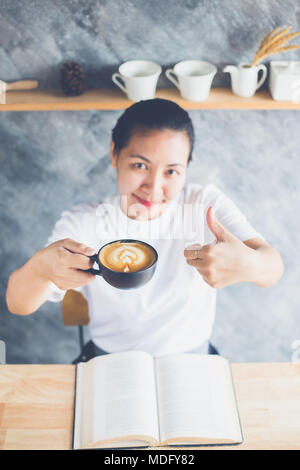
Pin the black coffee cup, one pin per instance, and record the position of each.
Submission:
(124, 280)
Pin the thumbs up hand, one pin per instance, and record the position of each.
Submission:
(223, 262)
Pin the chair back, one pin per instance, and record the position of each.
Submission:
(75, 309)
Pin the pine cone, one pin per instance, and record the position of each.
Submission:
(72, 78)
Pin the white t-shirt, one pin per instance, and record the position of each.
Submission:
(174, 312)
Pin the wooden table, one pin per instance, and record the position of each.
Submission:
(36, 406)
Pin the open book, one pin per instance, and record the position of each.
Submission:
(131, 399)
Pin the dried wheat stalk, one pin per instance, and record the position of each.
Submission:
(271, 35)
(273, 46)
(276, 51)
(272, 43)
(268, 38)
(282, 36)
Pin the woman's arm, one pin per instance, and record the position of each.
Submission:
(265, 263)
(29, 286)
(27, 290)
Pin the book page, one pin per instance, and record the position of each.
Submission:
(118, 398)
(196, 398)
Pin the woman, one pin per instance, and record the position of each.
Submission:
(151, 147)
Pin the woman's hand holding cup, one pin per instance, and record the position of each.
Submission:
(64, 263)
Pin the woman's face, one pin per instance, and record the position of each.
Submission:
(151, 171)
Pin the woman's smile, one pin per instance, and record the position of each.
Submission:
(146, 203)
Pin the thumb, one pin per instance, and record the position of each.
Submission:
(220, 232)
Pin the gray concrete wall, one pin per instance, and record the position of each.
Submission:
(50, 161)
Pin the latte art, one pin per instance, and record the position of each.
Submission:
(127, 257)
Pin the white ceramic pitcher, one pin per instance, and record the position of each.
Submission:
(244, 78)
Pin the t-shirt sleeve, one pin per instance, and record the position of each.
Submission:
(70, 225)
(229, 215)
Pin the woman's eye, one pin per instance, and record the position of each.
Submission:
(171, 172)
(138, 165)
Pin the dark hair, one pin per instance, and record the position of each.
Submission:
(155, 114)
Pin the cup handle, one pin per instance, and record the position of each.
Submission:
(264, 75)
(171, 78)
(115, 78)
(92, 270)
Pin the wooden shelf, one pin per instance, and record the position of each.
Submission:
(113, 99)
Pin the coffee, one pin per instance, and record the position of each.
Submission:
(127, 256)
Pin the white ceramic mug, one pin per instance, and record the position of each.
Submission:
(139, 79)
(193, 78)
